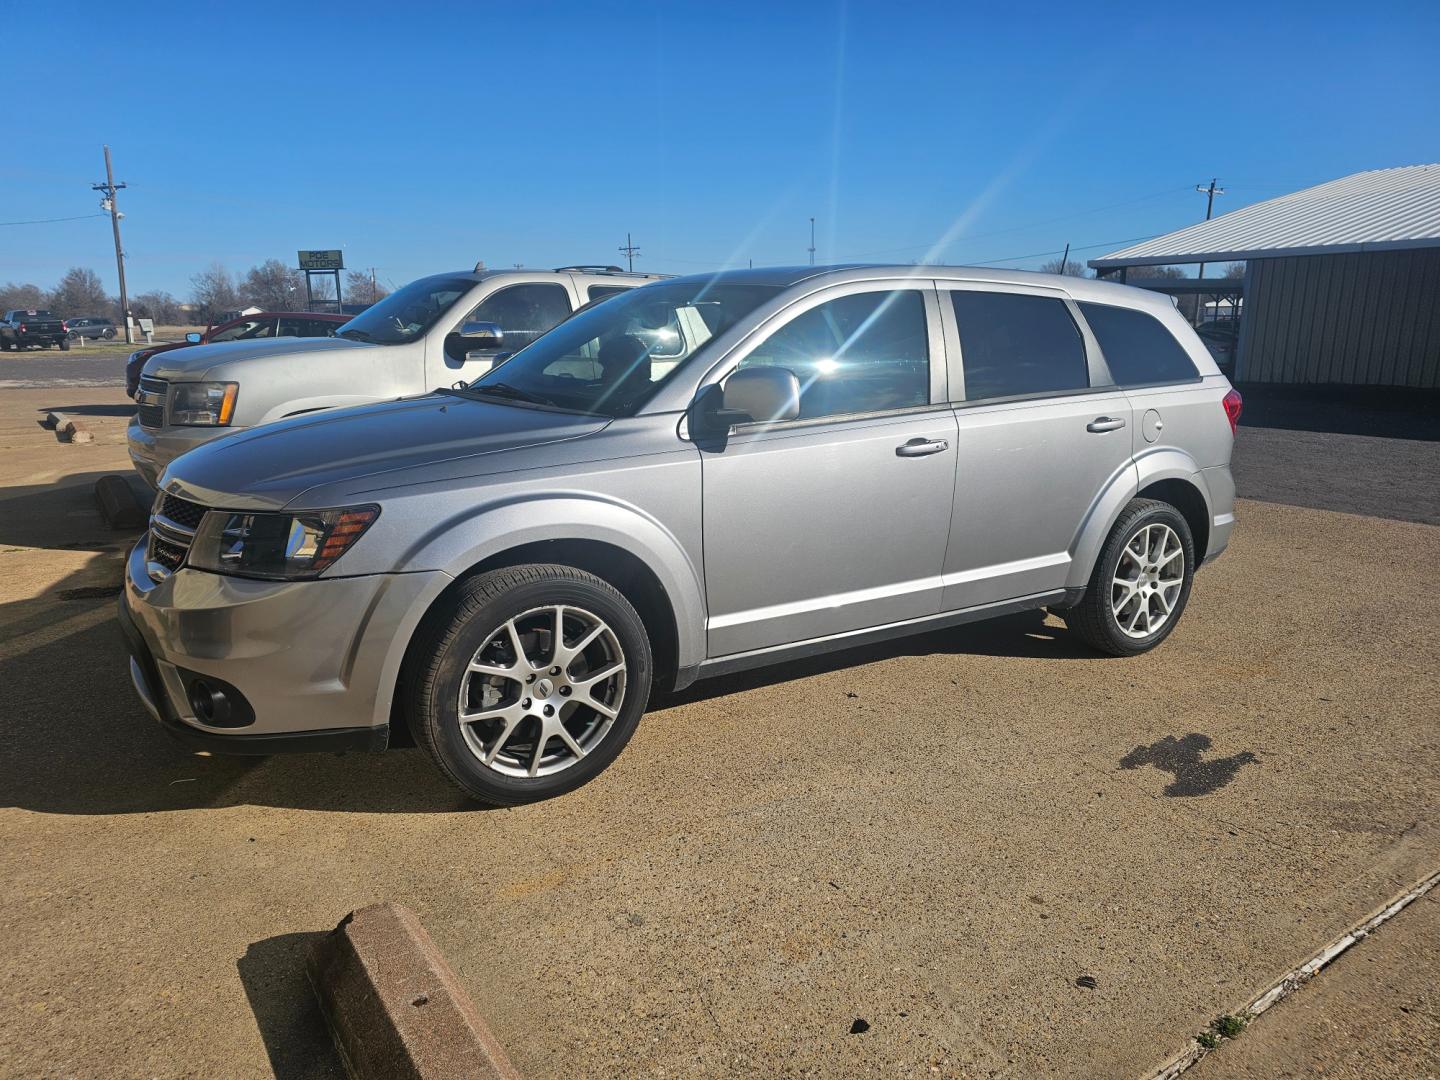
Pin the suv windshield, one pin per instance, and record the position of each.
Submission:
(406, 314)
(611, 358)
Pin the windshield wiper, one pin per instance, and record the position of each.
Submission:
(499, 391)
(356, 335)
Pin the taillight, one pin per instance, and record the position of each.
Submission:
(1233, 403)
(64, 327)
(22, 328)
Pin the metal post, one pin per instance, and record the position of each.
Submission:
(119, 250)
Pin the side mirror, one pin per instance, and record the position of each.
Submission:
(763, 395)
(750, 395)
(482, 335)
(193, 338)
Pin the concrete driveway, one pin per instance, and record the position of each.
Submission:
(898, 861)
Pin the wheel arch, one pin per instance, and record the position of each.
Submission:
(619, 545)
(1169, 475)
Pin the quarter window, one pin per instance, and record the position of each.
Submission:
(1137, 347)
(1016, 344)
(856, 354)
(523, 312)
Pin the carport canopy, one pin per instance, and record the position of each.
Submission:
(1380, 210)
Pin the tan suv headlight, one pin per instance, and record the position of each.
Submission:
(202, 404)
(279, 547)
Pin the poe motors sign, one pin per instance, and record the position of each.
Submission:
(322, 260)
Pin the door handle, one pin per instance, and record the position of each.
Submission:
(920, 447)
(1105, 423)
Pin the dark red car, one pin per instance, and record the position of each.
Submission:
(264, 324)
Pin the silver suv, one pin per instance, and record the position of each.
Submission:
(432, 333)
(702, 475)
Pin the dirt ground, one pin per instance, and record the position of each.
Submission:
(898, 861)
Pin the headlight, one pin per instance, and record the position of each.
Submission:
(202, 404)
(280, 547)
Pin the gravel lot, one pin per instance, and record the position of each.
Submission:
(898, 861)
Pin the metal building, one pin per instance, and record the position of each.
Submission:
(1342, 280)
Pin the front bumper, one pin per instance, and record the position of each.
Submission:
(153, 449)
(314, 662)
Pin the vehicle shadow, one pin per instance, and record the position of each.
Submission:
(63, 515)
(1028, 636)
(125, 409)
(293, 1028)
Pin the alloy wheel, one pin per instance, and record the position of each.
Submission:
(542, 691)
(1148, 579)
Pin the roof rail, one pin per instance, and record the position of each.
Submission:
(592, 268)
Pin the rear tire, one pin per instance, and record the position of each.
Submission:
(1136, 594)
(547, 721)
(64, 344)
(108, 334)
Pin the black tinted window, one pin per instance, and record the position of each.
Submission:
(598, 292)
(855, 354)
(1015, 344)
(1137, 347)
(523, 312)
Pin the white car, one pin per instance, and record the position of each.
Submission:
(435, 332)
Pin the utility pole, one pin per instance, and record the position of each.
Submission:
(630, 251)
(109, 187)
(1065, 258)
(1209, 193)
(812, 241)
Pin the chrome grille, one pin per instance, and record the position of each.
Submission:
(172, 529)
(151, 399)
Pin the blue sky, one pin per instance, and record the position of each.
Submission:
(423, 137)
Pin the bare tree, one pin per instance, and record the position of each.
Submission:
(80, 293)
(273, 286)
(159, 305)
(25, 296)
(1073, 268)
(213, 292)
(1233, 271)
(360, 288)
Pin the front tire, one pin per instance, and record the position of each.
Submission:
(527, 682)
(1140, 584)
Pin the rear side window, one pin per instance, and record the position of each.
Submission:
(1137, 347)
(598, 292)
(1014, 344)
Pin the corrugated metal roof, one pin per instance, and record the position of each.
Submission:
(1369, 211)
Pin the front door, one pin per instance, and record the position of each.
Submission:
(522, 312)
(1040, 438)
(836, 521)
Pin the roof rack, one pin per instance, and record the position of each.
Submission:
(591, 268)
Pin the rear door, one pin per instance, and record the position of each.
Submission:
(835, 521)
(1042, 432)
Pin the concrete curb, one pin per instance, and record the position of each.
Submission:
(67, 430)
(394, 1006)
(1295, 978)
(118, 504)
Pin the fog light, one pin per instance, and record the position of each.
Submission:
(209, 703)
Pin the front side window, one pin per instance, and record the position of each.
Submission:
(523, 312)
(243, 331)
(611, 358)
(865, 353)
(1014, 344)
(407, 313)
(1137, 347)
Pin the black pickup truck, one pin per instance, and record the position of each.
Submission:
(20, 329)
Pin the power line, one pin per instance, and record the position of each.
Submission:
(51, 220)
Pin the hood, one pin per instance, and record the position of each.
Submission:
(270, 466)
(212, 361)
